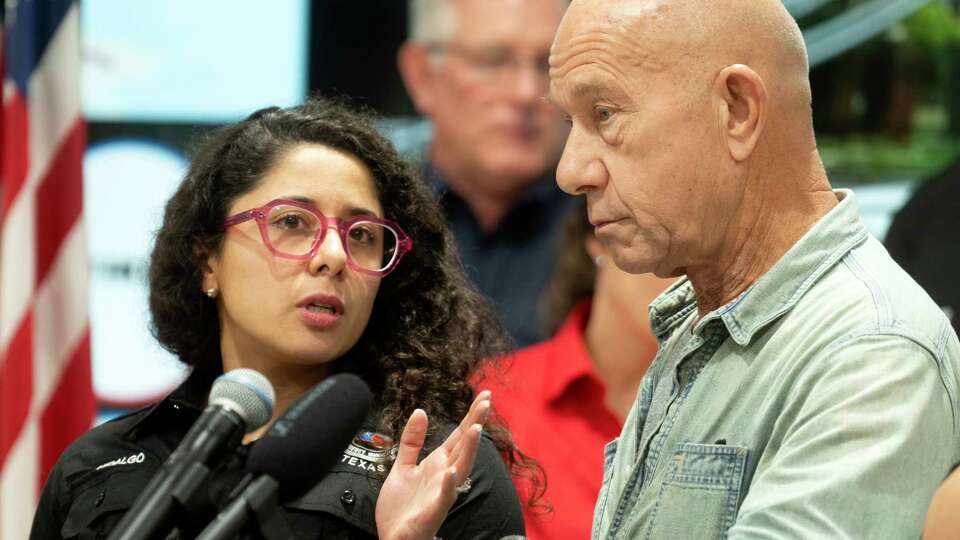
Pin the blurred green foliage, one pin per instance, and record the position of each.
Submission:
(933, 27)
(890, 109)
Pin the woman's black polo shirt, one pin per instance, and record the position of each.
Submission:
(101, 474)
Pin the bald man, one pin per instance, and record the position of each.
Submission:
(805, 386)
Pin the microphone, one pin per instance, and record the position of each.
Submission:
(240, 401)
(294, 455)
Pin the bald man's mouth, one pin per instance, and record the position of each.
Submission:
(603, 224)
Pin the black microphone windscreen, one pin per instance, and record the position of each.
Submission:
(304, 443)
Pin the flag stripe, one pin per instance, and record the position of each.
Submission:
(30, 27)
(16, 386)
(9, 89)
(17, 263)
(18, 489)
(56, 428)
(60, 317)
(54, 99)
(13, 154)
(59, 199)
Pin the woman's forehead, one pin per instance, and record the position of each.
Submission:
(333, 180)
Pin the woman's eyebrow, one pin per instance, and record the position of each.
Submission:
(353, 211)
(361, 211)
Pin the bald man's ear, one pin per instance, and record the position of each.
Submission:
(413, 60)
(743, 107)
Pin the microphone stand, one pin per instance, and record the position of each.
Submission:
(178, 492)
(255, 500)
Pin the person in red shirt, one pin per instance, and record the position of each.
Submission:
(563, 399)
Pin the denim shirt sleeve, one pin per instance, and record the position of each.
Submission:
(860, 448)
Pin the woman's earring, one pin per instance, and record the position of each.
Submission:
(598, 261)
(211, 292)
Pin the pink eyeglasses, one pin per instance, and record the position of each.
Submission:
(295, 230)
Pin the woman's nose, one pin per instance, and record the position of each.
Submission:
(331, 255)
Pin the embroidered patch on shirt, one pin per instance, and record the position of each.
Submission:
(126, 460)
(369, 451)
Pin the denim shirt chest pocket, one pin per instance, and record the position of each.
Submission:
(700, 495)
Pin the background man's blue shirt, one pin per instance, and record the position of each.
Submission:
(512, 264)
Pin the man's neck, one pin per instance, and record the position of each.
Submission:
(767, 225)
(488, 206)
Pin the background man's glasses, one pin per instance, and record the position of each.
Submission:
(499, 65)
(296, 230)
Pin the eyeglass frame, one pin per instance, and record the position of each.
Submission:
(259, 214)
(472, 56)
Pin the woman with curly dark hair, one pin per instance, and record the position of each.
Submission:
(301, 245)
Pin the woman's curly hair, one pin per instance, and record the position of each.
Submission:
(429, 328)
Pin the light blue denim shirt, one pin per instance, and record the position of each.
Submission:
(820, 403)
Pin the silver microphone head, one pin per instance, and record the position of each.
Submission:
(247, 393)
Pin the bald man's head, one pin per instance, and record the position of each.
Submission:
(675, 105)
(693, 39)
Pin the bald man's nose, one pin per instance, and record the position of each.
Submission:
(579, 169)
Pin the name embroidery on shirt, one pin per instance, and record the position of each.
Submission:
(127, 460)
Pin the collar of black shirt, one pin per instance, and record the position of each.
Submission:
(182, 406)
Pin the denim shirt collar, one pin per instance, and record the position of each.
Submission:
(780, 288)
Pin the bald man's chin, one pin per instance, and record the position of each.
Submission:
(631, 260)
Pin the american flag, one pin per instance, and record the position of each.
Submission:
(46, 398)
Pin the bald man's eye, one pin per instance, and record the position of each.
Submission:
(603, 113)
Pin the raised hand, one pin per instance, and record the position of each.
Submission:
(415, 498)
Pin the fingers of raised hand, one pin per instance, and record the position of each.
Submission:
(411, 440)
(450, 482)
(478, 413)
(465, 453)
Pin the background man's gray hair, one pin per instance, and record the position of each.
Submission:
(432, 21)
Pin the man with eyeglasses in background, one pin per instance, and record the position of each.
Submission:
(477, 70)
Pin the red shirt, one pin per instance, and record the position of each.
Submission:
(552, 402)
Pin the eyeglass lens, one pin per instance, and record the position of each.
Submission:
(499, 63)
(293, 230)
